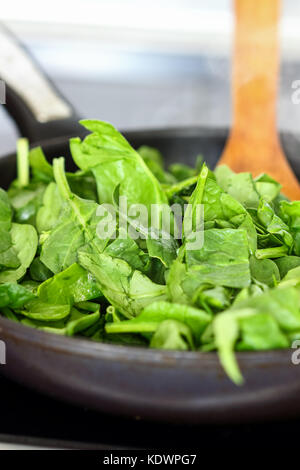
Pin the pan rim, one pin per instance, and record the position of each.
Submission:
(126, 354)
(170, 131)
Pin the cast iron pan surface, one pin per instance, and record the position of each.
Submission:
(182, 387)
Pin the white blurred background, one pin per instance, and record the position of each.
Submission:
(144, 64)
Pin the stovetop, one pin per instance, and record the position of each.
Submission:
(28, 418)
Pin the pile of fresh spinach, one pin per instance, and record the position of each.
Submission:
(238, 290)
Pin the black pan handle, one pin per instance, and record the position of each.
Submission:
(32, 100)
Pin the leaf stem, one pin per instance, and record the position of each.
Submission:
(66, 193)
(273, 252)
(191, 216)
(60, 178)
(199, 191)
(23, 162)
(176, 188)
(130, 326)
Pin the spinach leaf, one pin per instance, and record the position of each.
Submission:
(160, 244)
(24, 240)
(159, 311)
(291, 279)
(267, 187)
(81, 183)
(26, 202)
(9, 314)
(76, 322)
(50, 210)
(75, 228)
(124, 287)
(219, 209)
(291, 215)
(261, 332)
(14, 295)
(176, 276)
(274, 224)
(5, 212)
(254, 328)
(8, 255)
(70, 286)
(223, 259)
(127, 249)
(264, 271)
(30, 285)
(282, 303)
(42, 311)
(114, 163)
(41, 169)
(79, 321)
(154, 161)
(181, 171)
(172, 334)
(287, 263)
(239, 185)
(216, 298)
(192, 218)
(226, 333)
(25, 195)
(38, 271)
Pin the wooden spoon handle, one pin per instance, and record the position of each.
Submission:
(253, 144)
(255, 70)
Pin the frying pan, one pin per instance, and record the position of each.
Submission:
(185, 387)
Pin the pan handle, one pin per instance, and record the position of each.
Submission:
(38, 109)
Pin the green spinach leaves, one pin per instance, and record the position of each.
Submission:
(222, 275)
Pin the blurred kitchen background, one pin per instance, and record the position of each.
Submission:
(141, 64)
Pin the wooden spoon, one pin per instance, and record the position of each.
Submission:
(253, 144)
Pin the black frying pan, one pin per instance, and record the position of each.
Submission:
(159, 385)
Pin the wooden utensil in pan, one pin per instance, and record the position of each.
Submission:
(253, 143)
